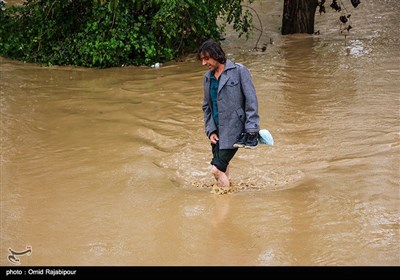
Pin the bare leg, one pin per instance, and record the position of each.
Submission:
(221, 177)
(228, 174)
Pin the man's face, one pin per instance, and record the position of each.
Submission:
(208, 61)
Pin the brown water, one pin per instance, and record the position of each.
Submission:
(111, 167)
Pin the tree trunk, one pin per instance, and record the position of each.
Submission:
(298, 16)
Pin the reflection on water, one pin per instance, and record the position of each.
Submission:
(111, 167)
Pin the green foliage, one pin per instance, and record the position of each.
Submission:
(106, 33)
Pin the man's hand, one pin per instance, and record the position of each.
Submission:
(214, 138)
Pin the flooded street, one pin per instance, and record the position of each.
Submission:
(111, 166)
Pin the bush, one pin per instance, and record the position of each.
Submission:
(106, 33)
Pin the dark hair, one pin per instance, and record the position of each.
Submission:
(213, 49)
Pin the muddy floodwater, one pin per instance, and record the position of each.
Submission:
(111, 166)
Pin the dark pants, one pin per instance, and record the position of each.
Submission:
(221, 158)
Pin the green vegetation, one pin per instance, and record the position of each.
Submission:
(106, 33)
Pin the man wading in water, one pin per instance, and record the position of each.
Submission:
(230, 109)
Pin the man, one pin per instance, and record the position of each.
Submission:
(230, 109)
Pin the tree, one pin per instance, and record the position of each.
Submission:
(106, 33)
(298, 15)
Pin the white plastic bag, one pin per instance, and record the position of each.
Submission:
(265, 137)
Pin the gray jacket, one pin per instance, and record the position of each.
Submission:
(237, 105)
